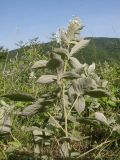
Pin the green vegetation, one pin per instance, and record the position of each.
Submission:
(3, 53)
(101, 50)
(98, 50)
(55, 106)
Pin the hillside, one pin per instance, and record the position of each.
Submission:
(99, 49)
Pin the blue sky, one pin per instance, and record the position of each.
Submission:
(27, 19)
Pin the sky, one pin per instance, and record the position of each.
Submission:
(22, 20)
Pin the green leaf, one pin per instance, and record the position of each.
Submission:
(75, 154)
(45, 79)
(74, 63)
(79, 46)
(70, 75)
(80, 105)
(111, 103)
(13, 146)
(97, 93)
(3, 103)
(40, 64)
(19, 97)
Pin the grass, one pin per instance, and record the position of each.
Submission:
(92, 148)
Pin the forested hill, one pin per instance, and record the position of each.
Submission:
(99, 49)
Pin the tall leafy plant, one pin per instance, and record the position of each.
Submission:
(73, 97)
(75, 82)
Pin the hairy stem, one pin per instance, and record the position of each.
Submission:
(72, 106)
(65, 110)
(63, 97)
(56, 122)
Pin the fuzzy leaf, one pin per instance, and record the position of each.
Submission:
(82, 84)
(100, 117)
(104, 83)
(39, 106)
(31, 110)
(40, 64)
(19, 97)
(97, 93)
(44, 79)
(65, 150)
(5, 130)
(71, 93)
(79, 46)
(36, 149)
(61, 51)
(5, 121)
(117, 128)
(72, 119)
(56, 63)
(91, 68)
(70, 75)
(74, 28)
(74, 63)
(81, 69)
(80, 105)
(76, 86)
(61, 37)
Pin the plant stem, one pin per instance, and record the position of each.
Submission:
(56, 122)
(63, 96)
(65, 110)
(72, 106)
(15, 139)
